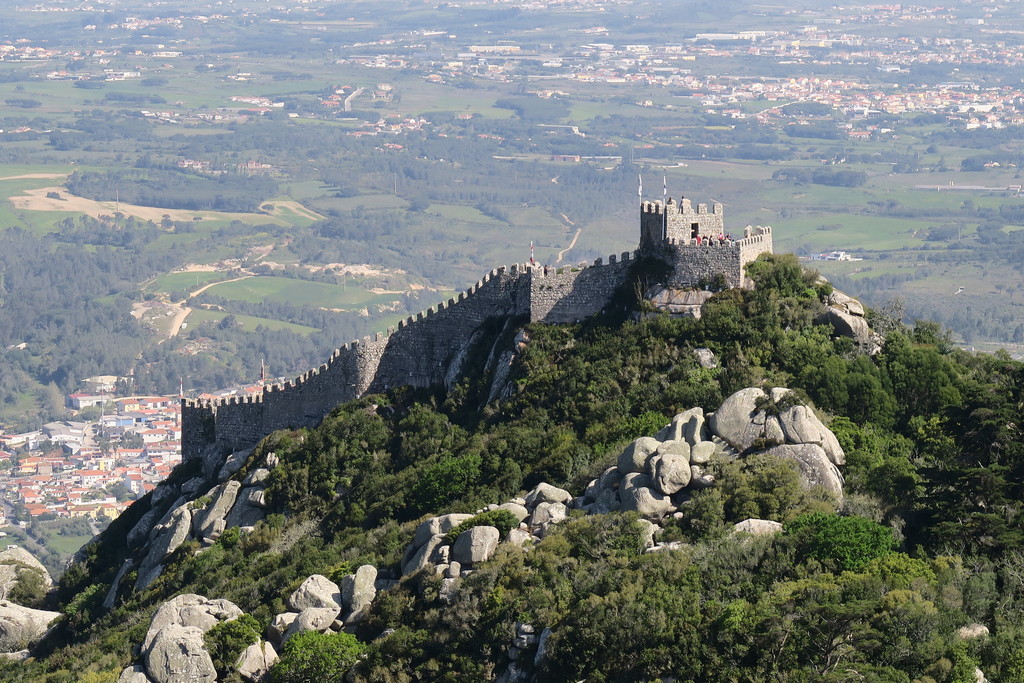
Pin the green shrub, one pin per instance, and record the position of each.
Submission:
(227, 640)
(502, 519)
(846, 543)
(314, 657)
(602, 536)
(81, 609)
(30, 589)
(446, 480)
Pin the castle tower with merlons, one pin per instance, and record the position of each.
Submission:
(696, 243)
(432, 348)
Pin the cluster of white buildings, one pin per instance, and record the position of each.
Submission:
(75, 467)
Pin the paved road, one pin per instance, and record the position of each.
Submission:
(348, 100)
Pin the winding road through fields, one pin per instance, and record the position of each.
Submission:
(184, 309)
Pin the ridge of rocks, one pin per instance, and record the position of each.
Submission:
(653, 476)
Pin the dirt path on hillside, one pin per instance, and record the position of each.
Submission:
(184, 310)
(572, 244)
(211, 284)
(179, 320)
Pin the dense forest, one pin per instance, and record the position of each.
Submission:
(926, 541)
(54, 329)
(172, 189)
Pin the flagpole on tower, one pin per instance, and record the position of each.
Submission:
(532, 260)
(664, 208)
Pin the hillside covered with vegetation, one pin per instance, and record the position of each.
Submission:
(926, 541)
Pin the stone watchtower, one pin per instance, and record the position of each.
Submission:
(679, 222)
(694, 243)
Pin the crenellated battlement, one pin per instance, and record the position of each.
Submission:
(428, 348)
(662, 222)
(420, 350)
(684, 206)
(697, 258)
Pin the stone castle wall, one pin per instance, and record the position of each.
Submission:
(423, 351)
(694, 263)
(237, 422)
(429, 349)
(567, 294)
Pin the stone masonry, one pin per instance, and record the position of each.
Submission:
(426, 349)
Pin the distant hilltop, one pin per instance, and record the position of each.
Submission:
(431, 348)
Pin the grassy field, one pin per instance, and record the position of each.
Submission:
(366, 201)
(858, 270)
(39, 222)
(66, 545)
(430, 98)
(9, 170)
(25, 406)
(532, 216)
(729, 169)
(465, 214)
(23, 203)
(302, 190)
(821, 232)
(301, 292)
(175, 282)
(249, 323)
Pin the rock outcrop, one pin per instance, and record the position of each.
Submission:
(546, 493)
(438, 526)
(319, 605)
(17, 564)
(634, 457)
(177, 654)
(755, 417)
(475, 545)
(318, 592)
(846, 325)
(653, 476)
(679, 303)
(190, 610)
(357, 592)
(312, 619)
(757, 527)
(167, 538)
(134, 674)
(200, 509)
(20, 626)
(846, 317)
(209, 523)
(256, 660)
(173, 650)
(815, 466)
(739, 420)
